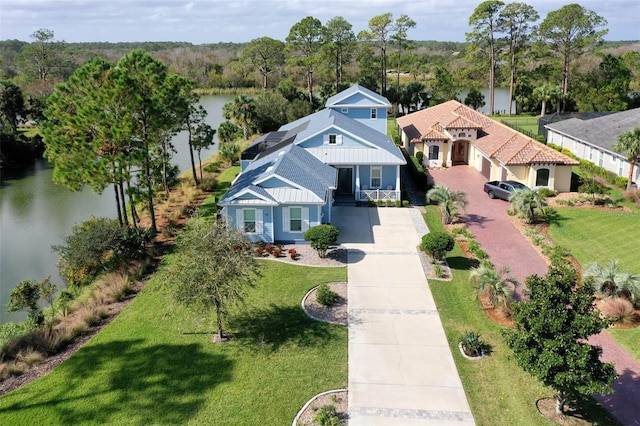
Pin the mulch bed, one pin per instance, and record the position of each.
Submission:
(334, 314)
(337, 399)
(571, 417)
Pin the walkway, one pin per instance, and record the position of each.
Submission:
(488, 221)
(401, 371)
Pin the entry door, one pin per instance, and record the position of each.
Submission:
(459, 154)
(345, 179)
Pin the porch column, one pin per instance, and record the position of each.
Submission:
(357, 191)
(449, 149)
(397, 182)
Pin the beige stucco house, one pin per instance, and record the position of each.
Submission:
(451, 134)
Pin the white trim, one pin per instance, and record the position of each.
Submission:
(286, 219)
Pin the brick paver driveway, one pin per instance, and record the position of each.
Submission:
(488, 221)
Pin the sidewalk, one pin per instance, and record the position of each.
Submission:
(401, 371)
(506, 246)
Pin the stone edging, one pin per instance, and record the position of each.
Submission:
(304, 299)
(305, 406)
(472, 358)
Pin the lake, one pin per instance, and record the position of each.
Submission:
(36, 213)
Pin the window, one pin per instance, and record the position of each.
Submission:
(600, 158)
(376, 177)
(434, 152)
(345, 110)
(462, 135)
(249, 220)
(542, 178)
(591, 154)
(374, 113)
(295, 219)
(620, 163)
(332, 139)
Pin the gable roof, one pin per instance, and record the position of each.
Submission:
(368, 99)
(303, 178)
(377, 148)
(494, 139)
(601, 131)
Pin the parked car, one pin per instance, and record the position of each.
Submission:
(502, 189)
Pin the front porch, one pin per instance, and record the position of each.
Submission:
(378, 194)
(368, 182)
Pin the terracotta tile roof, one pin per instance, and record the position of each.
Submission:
(434, 134)
(494, 139)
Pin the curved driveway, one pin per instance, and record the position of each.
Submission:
(505, 245)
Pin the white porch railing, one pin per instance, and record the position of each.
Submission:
(378, 194)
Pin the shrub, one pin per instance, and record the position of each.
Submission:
(327, 416)
(632, 195)
(379, 203)
(229, 152)
(325, 296)
(387, 203)
(437, 244)
(371, 203)
(620, 311)
(322, 237)
(547, 192)
(471, 344)
(621, 182)
(420, 157)
(438, 270)
(293, 253)
(29, 357)
(398, 203)
(208, 184)
(405, 203)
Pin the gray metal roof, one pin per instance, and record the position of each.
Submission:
(371, 99)
(600, 131)
(310, 179)
(374, 144)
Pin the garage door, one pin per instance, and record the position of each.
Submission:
(486, 168)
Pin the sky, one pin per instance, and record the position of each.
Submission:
(213, 21)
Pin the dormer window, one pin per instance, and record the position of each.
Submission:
(374, 113)
(333, 139)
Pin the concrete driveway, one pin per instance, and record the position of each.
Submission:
(401, 371)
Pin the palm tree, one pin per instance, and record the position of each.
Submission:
(494, 283)
(544, 94)
(629, 144)
(526, 202)
(448, 200)
(610, 281)
(242, 111)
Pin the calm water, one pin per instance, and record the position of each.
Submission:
(36, 214)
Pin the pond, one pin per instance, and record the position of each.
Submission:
(36, 213)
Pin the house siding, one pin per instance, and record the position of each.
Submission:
(281, 235)
(585, 151)
(267, 221)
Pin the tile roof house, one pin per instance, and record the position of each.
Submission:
(290, 177)
(451, 133)
(593, 139)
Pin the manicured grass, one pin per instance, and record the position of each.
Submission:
(598, 236)
(525, 122)
(156, 364)
(498, 390)
(225, 178)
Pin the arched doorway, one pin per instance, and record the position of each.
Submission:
(460, 153)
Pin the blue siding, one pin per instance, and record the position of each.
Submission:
(244, 164)
(363, 115)
(274, 182)
(388, 176)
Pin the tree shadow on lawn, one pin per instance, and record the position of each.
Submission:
(139, 384)
(274, 326)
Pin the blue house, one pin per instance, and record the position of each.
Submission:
(291, 177)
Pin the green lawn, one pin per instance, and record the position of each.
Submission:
(155, 364)
(525, 122)
(499, 392)
(595, 235)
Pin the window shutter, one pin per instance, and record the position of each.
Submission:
(325, 139)
(305, 219)
(339, 140)
(286, 222)
(240, 220)
(259, 225)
